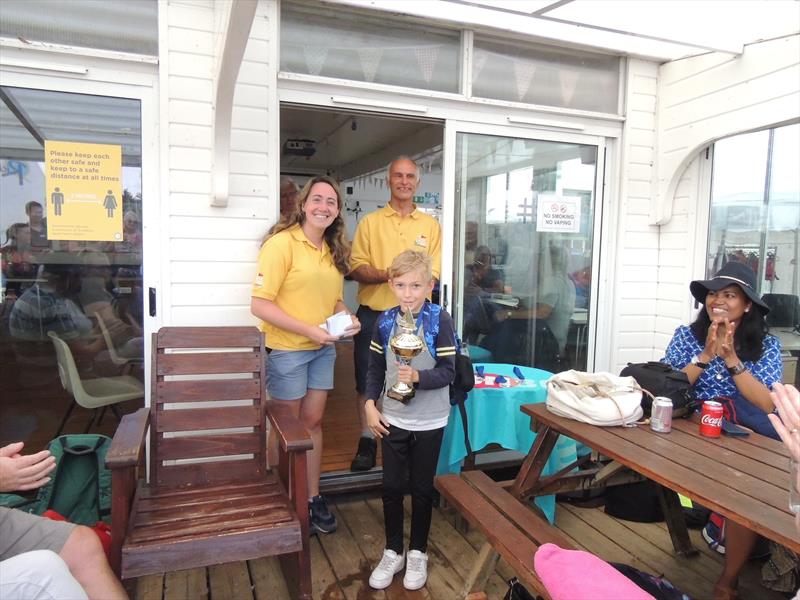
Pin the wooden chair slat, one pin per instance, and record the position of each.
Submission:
(188, 503)
(153, 513)
(214, 525)
(200, 446)
(197, 419)
(211, 472)
(191, 552)
(220, 510)
(189, 491)
(204, 389)
(207, 363)
(209, 337)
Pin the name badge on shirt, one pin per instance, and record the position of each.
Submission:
(421, 241)
(259, 282)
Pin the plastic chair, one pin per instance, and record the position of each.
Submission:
(784, 310)
(120, 361)
(92, 393)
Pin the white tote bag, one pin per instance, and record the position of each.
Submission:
(596, 398)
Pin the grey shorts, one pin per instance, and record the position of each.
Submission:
(22, 532)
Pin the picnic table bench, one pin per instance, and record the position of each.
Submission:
(512, 529)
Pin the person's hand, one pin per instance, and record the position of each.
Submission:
(787, 422)
(710, 348)
(376, 422)
(407, 375)
(21, 473)
(725, 343)
(318, 335)
(354, 328)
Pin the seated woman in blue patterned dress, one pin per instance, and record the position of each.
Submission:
(728, 353)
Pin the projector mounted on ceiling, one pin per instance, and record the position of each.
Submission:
(299, 147)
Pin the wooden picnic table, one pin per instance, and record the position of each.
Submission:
(745, 479)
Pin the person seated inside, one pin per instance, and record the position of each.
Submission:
(550, 317)
(42, 558)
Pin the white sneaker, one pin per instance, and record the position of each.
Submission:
(416, 570)
(391, 564)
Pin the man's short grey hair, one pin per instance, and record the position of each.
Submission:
(399, 158)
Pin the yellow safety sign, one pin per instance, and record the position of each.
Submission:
(84, 191)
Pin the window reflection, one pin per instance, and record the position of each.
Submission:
(755, 219)
(525, 249)
(88, 293)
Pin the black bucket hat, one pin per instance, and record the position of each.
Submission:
(731, 273)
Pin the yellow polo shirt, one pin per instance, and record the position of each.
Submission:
(302, 280)
(382, 235)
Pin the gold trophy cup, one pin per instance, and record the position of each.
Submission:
(405, 345)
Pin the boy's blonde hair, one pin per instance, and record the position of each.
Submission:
(411, 260)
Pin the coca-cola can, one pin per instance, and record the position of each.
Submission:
(711, 419)
(661, 415)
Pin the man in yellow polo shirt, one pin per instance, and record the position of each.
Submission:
(379, 237)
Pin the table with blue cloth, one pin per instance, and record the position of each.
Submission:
(494, 416)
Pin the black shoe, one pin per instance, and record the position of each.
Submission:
(320, 518)
(365, 456)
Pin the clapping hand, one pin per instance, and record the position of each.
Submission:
(725, 342)
(20, 473)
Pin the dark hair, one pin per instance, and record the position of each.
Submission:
(29, 206)
(335, 232)
(748, 339)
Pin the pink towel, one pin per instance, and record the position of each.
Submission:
(578, 575)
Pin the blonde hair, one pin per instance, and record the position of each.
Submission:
(411, 260)
(334, 233)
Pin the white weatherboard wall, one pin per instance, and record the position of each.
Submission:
(211, 251)
(634, 275)
(700, 100)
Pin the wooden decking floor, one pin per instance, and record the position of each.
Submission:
(341, 562)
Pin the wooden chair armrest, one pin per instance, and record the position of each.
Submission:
(293, 436)
(128, 443)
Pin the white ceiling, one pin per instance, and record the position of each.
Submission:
(663, 30)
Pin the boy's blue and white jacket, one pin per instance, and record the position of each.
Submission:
(430, 407)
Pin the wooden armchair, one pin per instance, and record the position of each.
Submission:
(207, 403)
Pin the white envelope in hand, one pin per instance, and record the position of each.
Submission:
(336, 324)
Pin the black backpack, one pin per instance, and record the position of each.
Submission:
(661, 379)
(462, 384)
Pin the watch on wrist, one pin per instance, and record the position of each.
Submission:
(737, 369)
(698, 363)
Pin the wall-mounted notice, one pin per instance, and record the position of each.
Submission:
(84, 191)
(558, 213)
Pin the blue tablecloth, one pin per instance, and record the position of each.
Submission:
(494, 416)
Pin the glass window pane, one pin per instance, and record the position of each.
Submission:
(524, 246)
(544, 75)
(755, 219)
(87, 291)
(737, 200)
(337, 43)
(130, 26)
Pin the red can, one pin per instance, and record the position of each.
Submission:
(711, 419)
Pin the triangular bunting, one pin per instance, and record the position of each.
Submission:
(370, 58)
(523, 71)
(479, 58)
(568, 79)
(426, 58)
(315, 57)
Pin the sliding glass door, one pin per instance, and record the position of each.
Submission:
(524, 222)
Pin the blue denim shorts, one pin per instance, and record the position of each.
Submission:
(291, 373)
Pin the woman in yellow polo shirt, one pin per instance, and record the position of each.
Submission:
(300, 281)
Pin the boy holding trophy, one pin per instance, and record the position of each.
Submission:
(415, 408)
